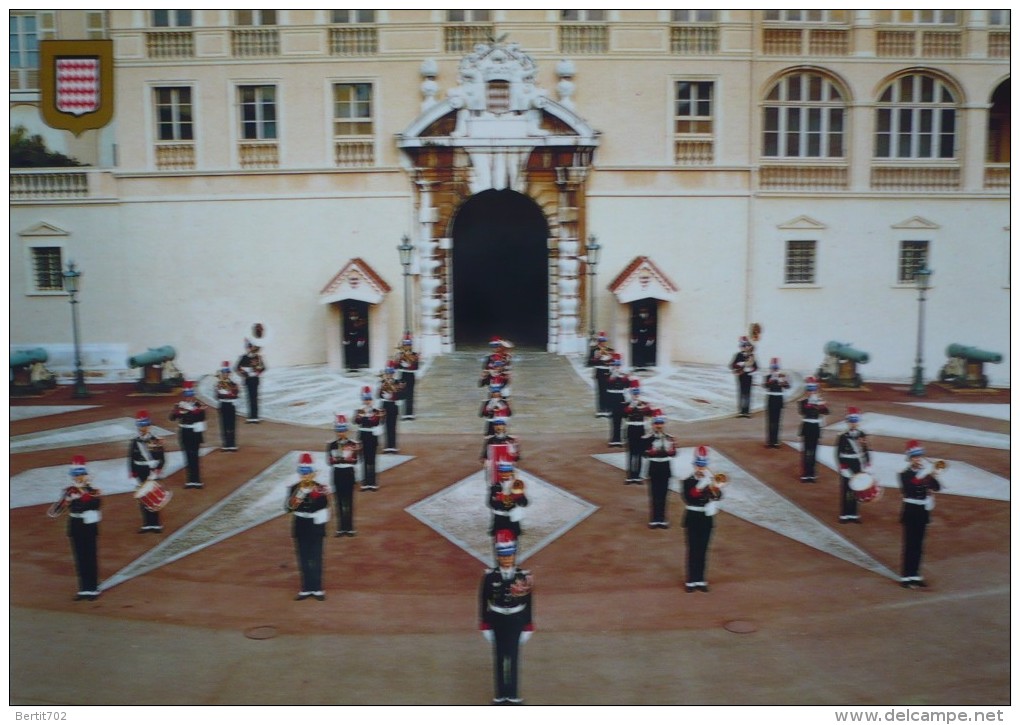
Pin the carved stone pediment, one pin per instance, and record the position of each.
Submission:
(803, 222)
(43, 229)
(916, 222)
(640, 279)
(356, 281)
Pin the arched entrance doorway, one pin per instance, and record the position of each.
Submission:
(500, 270)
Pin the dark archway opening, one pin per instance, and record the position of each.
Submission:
(500, 271)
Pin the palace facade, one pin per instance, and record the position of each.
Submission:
(554, 173)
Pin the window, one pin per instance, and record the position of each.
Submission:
(584, 16)
(352, 109)
(171, 18)
(467, 16)
(258, 112)
(800, 262)
(913, 256)
(693, 16)
(693, 107)
(173, 114)
(916, 119)
(255, 17)
(24, 41)
(47, 269)
(95, 24)
(998, 18)
(918, 17)
(804, 118)
(806, 16)
(352, 16)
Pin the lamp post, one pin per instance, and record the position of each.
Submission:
(72, 283)
(406, 249)
(591, 254)
(922, 277)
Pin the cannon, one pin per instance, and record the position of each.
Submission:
(840, 365)
(28, 374)
(965, 367)
(159, 375)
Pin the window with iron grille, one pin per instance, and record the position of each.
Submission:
(804, 118)
(255, 17)
(913, 256)
(258, 112)
(693, 16)
(171, 18)
(693, 110)
(800, 262)
(173, 114)
(47, 268)
(352, 16)
(352, 109)
(916, 119)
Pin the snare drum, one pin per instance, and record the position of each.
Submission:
(153, 496)
(865, 487)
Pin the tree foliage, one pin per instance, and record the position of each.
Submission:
(30, 152)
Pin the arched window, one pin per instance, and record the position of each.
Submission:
(805, 117)
(998, 126)
(916, 119)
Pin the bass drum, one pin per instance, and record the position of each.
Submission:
(865, 487)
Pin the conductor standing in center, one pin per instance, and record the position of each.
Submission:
(505, 616)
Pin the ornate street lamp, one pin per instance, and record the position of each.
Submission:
(406, 249)
(591, 253)
(922, 279)
(72, 283)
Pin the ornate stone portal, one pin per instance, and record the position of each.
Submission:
(496, 129)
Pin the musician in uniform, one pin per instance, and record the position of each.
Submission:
(500, 437)
(496, 374)
(146, 459)
(495, 407)
(190, 414)
(744, 366)
(775, 383)
(600, 358)
(308, 502)
(227, 392)
(368, 418)
(342, 455)
(918, 481)
(504, 614)
(390, 393)
(251, 366)
(408, 361)
(852, 457)
(701, 492)
(660, 449)
(507, 501)
(636, 413)
(617, 386)
(812, 408)
(82, 502)
(498, 351)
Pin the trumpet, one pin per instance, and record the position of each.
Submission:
(518, 487)
(937, 466)
(60, 506)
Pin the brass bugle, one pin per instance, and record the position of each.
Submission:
(938, 465)
(721, 478)
(59, 506)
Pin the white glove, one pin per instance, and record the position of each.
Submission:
(489, 636)
(525, 636)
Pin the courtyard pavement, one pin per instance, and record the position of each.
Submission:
(802, 611)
